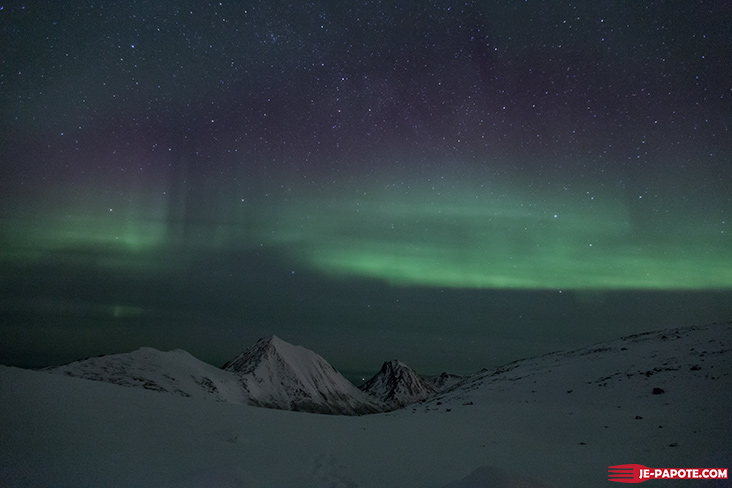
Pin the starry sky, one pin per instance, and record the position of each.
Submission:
(456, 184)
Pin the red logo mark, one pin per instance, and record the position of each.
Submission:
(626, 473)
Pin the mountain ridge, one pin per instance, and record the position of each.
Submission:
(273, 373)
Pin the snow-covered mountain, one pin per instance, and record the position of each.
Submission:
(175, 372)
(276, 374)
(397, 385)
(663, 365)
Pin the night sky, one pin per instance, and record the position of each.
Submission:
(456, 184)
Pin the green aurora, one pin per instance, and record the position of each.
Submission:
(508, 237)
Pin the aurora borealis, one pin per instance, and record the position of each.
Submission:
(373, 178)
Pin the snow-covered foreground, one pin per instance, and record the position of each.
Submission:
(559, 420)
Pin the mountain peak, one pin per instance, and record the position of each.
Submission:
(394, 364)
(397, 385)
(277, 374)
(286, 348)
(274, 340)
